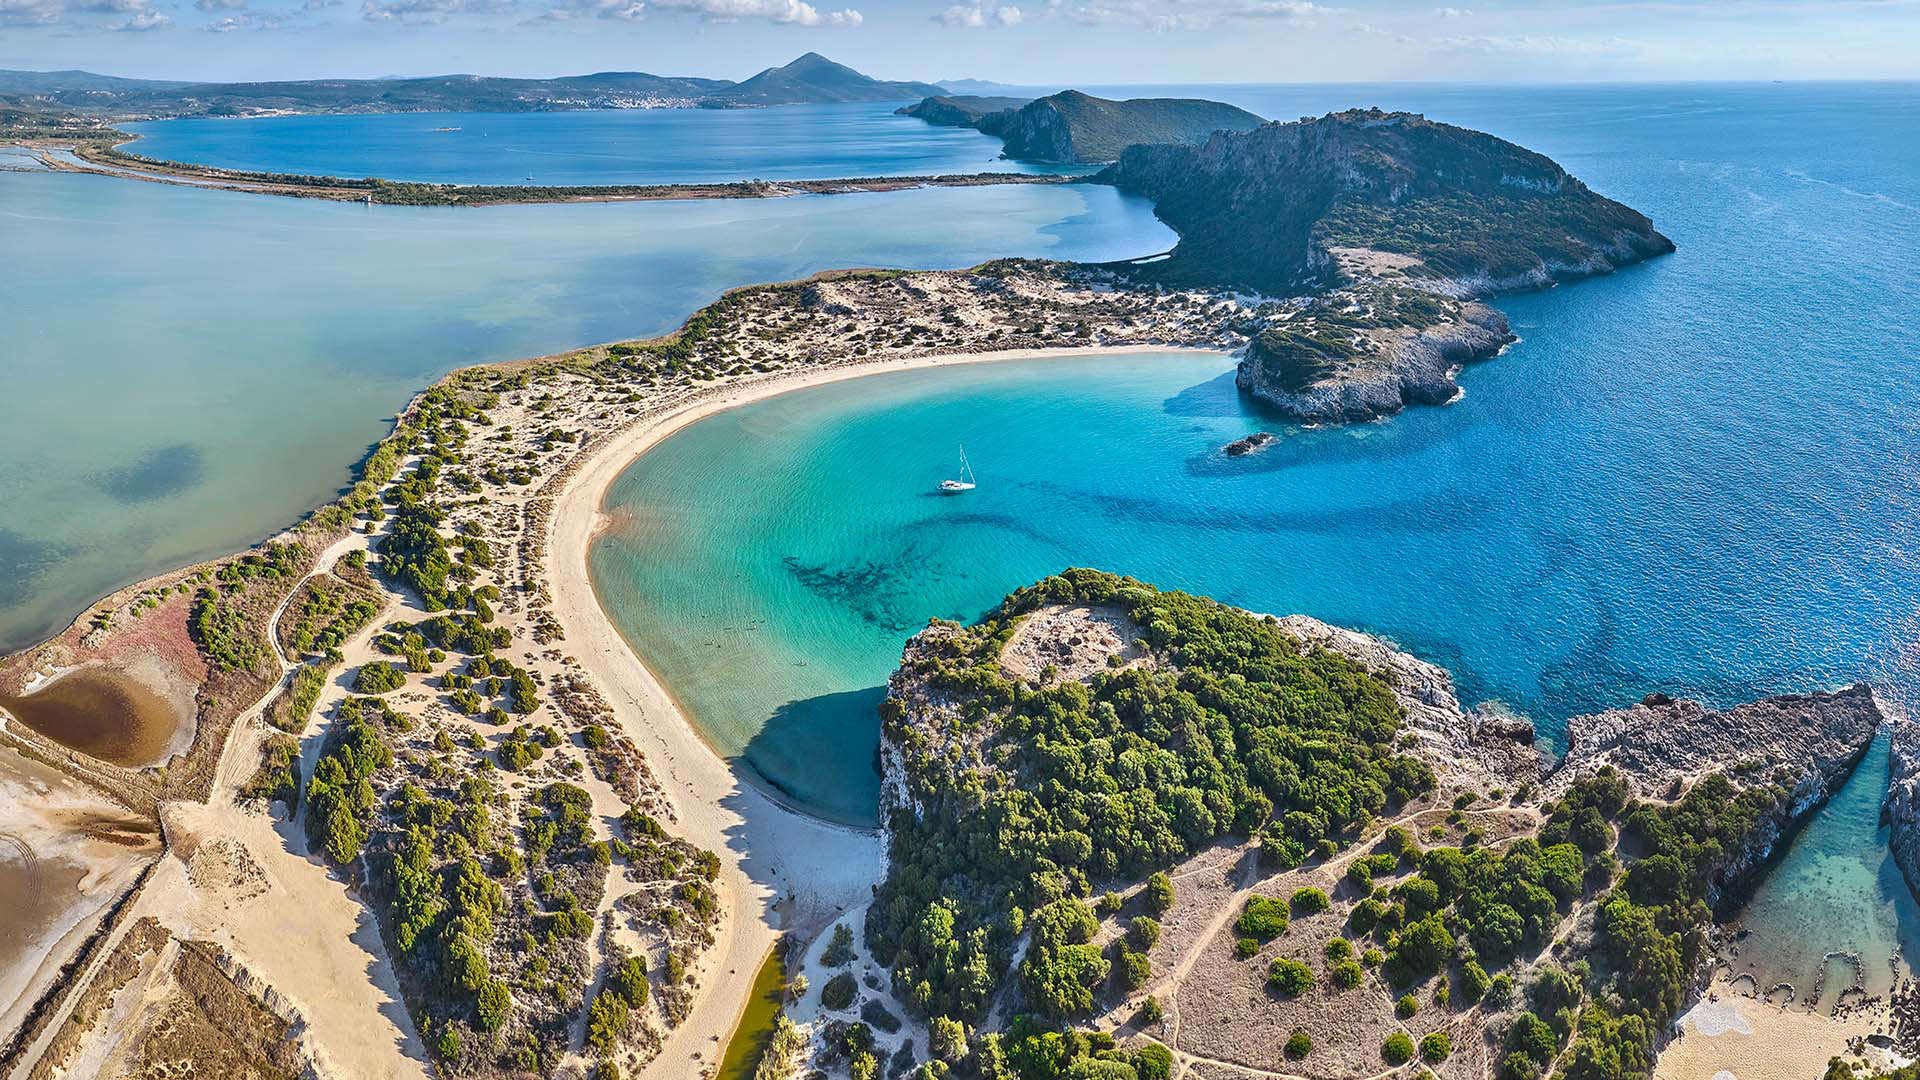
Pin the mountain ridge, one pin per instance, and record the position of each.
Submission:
(808, 79)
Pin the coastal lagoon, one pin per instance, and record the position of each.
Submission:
(188, 371)
(628, 146)
(1697, 476)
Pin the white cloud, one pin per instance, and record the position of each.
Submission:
(1539, 45)
(145, 20)
(29, 12)
(1187, 14)
(426, 11)
(1453, 12)
(248, 20)
(980, 14)
(789, 12)
(624, 10)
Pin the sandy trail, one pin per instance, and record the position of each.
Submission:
(780, 869)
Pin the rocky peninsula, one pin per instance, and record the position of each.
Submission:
(1393, 224)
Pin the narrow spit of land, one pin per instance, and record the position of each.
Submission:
(102, 159)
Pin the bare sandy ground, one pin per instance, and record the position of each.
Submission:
(781, 869)
(1737, 1037)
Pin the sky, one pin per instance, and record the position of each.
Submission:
(1032, 42)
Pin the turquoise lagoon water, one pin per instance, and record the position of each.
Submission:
(630, 146)
(185, 371)
(1697, 476)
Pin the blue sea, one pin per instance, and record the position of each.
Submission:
(1697, 476)
(632, 146)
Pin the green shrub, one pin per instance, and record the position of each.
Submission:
(1307, 900)
(1435, 1048)
(1299, 1044)
(1346, 975)
(1398, 1049)
(378, 677)
(1263, 919)
(1159, 894)
(838, 992)
(1289, 977)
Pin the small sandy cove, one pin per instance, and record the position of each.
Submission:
(781, 869)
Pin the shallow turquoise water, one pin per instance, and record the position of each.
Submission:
(187, 371)
(1696, 476)
(1835, 889)
(632, 146)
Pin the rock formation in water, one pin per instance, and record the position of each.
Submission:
(1363, 352)
(1075, 128)
(1388, 222)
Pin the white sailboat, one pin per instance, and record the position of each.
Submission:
(964, 483)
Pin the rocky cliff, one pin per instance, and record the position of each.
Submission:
(1799, 747)
(1389, 222)
(1900, 811)
(1359, 353)
(1461, 212)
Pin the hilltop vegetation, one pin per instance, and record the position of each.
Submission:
(1031, 796)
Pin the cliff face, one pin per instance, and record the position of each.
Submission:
(1467, 213)
(1900, 811)
(1802, 745)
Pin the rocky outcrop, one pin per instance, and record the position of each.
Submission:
(1900, 810)
(1338, 360)
(1800, 746)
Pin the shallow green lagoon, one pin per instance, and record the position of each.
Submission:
(187, 371)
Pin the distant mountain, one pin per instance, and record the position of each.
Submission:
(810, 79)
(1072, 127)
(1446, 209)
(813, 79)
(984, 88)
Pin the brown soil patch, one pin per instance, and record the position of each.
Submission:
(1075, 642)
